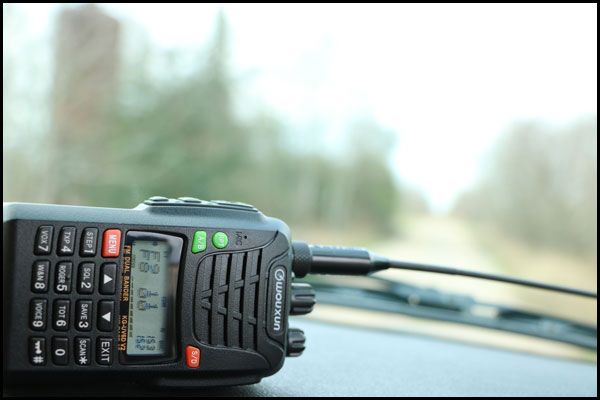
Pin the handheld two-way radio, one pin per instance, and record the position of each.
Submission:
(181, 292)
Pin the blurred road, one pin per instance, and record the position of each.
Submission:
(448, 241)
(453, 242)
(444, 241)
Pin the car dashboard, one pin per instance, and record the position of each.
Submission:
(350, 361)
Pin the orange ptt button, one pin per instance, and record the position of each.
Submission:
(192, 356)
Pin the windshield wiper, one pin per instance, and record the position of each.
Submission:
(386, 295)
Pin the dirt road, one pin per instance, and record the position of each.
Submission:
(447, 241)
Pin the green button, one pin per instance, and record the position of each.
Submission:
(199, 242)
(220, 240)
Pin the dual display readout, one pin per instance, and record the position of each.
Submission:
(147, 311)
(148, 298)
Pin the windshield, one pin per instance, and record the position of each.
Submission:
(454, 135)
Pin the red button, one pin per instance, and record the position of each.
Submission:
(111, 243)
(192, 356)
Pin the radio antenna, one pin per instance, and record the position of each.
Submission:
(311, 259)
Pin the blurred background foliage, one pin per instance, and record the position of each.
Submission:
(182, 137)
(540, 187)
(111, 131)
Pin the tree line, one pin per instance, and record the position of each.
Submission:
(540, 186)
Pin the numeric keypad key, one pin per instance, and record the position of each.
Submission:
(66, 241)
(38, 309)
(83, 315)
(39, 276)
(43, 240)
(62, 277)
(60, 315)
(60, 350)
(89, 242)
(85, 278)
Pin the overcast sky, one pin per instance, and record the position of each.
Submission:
(447, 78)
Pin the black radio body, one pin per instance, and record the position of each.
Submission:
(180, 293)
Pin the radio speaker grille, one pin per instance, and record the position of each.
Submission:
(227, 299)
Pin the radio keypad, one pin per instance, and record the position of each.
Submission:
(38, 314)
(106, 315)
(104, 350)
(85, 278)
(62, 277)
(37, 350)
(43, 240)
(60, 315)
(66, 241)
(60, 350)
(39, 276)
(83, 351)
(83, 315)
(108, 276)
(111, 243)
(89, 242)
(87, 316)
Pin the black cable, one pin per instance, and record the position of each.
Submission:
(310, 259)
(407, 265)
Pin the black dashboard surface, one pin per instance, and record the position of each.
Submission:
(347, 361)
